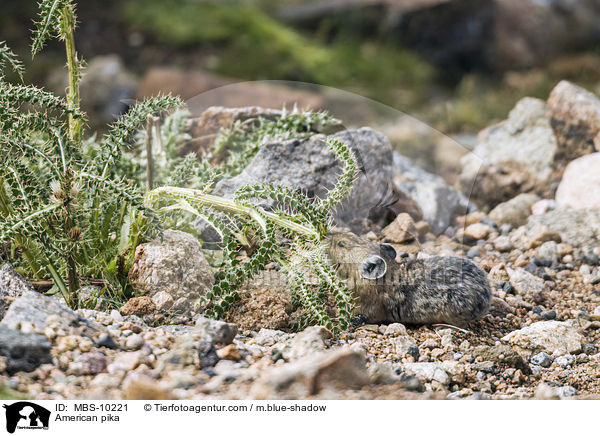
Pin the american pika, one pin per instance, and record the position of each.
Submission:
(449, 290)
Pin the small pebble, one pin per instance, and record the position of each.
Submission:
(541, 359)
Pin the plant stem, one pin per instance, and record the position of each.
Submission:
(226, 204)
(75, 127)
(149, 160)
(68, 34)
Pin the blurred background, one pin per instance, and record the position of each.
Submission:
(456, 65)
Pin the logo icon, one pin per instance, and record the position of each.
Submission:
(26, 415)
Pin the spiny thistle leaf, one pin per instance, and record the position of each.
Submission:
(8, 57)
(123, 130)
(346, 180)
(48, 26)
(294, 201)
(15, 95)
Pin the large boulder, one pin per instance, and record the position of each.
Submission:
(23, 351)
(580, 185)
(439, 202)
(12, 285)
(339, 369)
(576, 227)
(575, 119)
(41, 310)
(308, 165)
(552, 337)
(172, 270)
(514, 156)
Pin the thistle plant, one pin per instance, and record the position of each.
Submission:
(66, 208)
(292, 234)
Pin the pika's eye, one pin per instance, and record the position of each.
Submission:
(341, 244)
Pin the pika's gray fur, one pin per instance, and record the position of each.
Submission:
(450, 290)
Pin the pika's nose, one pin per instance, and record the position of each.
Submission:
(373, 267)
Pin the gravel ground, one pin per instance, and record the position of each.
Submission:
(395, 361)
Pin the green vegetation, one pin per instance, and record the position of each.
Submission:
(293, 236)
(252, 45)
(74, 209)
(66, 210)
(8, 394)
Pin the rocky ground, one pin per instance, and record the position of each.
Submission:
(532, 223)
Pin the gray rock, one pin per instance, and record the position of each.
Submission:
(428, 371)
(502, 355)
(580, 184)
(173, 272)
(309, 166)
(566, 360)
(542, 359)
(269, 337)
(404, 345)
(309, 341)
(439, 202)
(207, 354)
(503, 243)
(546, 392)
(134, 342)
(218, 332)
(576, 227)
(525, 283)
(514, 211)
(38, 309)
(383, 373)
(575, 116)
(88, 364)
(548, 250)
(552, 337)
(566, 392)
(23, 351)
(342, 368)
(12, 285)
(395, 329)
(512, 157)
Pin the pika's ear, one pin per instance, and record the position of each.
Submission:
(372, 268)
(388, 251)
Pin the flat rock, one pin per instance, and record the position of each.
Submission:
(552, 337)
(580, 184)
(525, 283)
(342, 368)
(23, 351)
(514, 211)
(576, 227)
(38, 309)
(439, 202)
